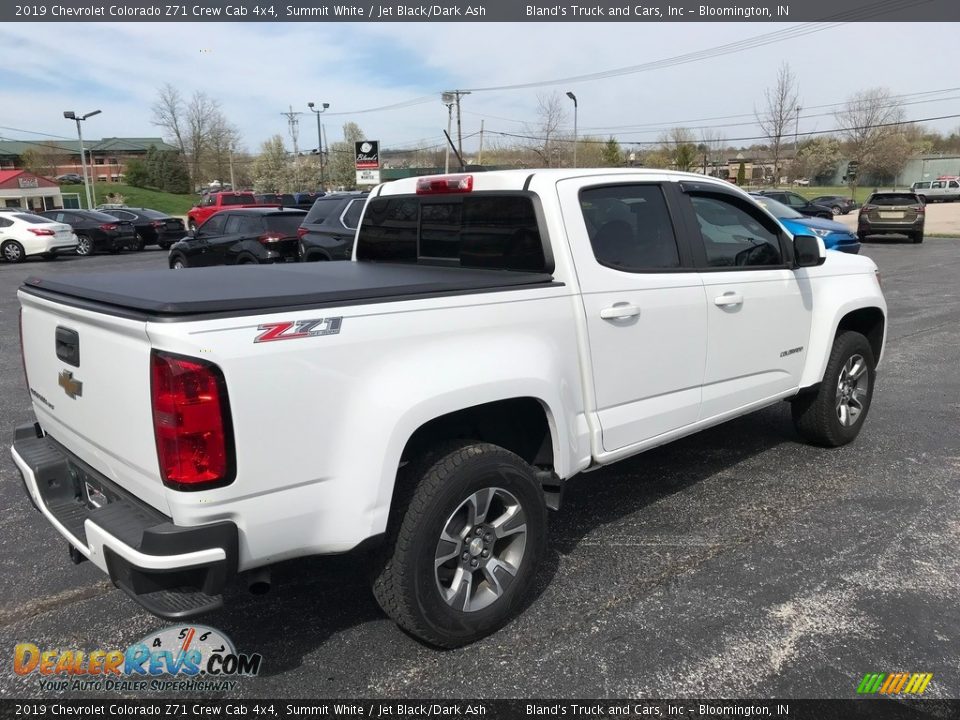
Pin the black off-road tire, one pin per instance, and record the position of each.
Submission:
(433, 487)
(815, 415)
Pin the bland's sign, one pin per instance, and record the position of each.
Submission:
(368, 154)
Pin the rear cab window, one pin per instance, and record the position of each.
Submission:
(888, 199)
(238, 199)
(492, 230)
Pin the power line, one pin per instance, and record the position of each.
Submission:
(727, 140)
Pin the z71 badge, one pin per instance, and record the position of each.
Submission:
(297, 329)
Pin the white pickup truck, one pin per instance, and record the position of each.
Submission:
(494, 335)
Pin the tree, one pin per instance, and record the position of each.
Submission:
(679, 146)
(271, 169)
(776, 115)
(223, 141)
(866, 122)
(893, 152)
(169, 112)
(713, 141)
(43, 159)
(741, 174)
(817, 159)
(551, 118)
(136, 173)
(202, 115)
(341, 168)
(610, 155)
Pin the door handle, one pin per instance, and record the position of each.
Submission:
(728, 298)
(620, 311)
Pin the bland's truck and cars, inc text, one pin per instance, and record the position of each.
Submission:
(494, 335)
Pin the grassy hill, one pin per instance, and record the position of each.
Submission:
(137, 197)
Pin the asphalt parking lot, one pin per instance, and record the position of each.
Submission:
(735, 563)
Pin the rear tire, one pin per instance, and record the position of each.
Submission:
(177, 263)
(463, 545)
(12, 251)
(84, 245)
(834, 414)
(836, 210)
(917, 237)
(140, 243)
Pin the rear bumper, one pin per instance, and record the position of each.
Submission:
(889, 228)
(172, 571)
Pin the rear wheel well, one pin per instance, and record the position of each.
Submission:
(519, 425)
(869, 322)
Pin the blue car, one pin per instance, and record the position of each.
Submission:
(835, 235)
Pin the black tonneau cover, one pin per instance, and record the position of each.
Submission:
(252, 288)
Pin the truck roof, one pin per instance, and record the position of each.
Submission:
(512, 180)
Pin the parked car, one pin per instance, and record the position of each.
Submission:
(798, 203)
(69, 179)
(279, 199)
(23, 234)
(152, 226)
(838, 204)
(802, 182)
(96, 230)
(214, 202)
(498, 334)
(328, 229)
(943, 189)
(892, 213)
(240, 237)
(305, 200)
(835, 235)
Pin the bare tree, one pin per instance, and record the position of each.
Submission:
(778, 114)
(679, 146)
(713, 141)
(168, 113)
(224, 141)
(203, 113)
(551, 118)
(866, 122)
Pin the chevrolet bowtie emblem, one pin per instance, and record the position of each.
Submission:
(73, 388)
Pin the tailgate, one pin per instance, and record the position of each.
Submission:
(89, 377)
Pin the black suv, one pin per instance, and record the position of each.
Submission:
(328, 230)
(799, 203)
(152, 226)
(95, 230)
(240, 237)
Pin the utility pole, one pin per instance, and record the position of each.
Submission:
(293, 125)
(233, 182)
(480, 155)
(71, 115)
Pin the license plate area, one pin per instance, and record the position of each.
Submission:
(891, 215)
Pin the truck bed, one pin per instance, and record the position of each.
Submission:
(168, 294)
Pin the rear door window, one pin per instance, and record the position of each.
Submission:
(630, 227)
(477, 230)
(232, 226)
(214, 226)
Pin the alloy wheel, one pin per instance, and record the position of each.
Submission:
(852, 387)
(480, 549)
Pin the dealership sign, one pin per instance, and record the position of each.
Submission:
(368, 154)
(26, 183)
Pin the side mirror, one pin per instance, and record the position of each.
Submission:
(809, 251)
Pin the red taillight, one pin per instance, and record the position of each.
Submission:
(301, 232)
(107, 227)
(158, 223)
(191, 422)
(41, 231)
(445, 184)
(866, 208)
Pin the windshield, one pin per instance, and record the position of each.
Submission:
(153, 214)
(776, 208)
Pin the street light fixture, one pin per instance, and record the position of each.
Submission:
(318, 113)
(71, 115)
(574, 98)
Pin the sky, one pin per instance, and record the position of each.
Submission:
(258, 71)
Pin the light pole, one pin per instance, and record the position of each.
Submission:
(449, 99)
(318, 113)
(71, 115)
(574, 98)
